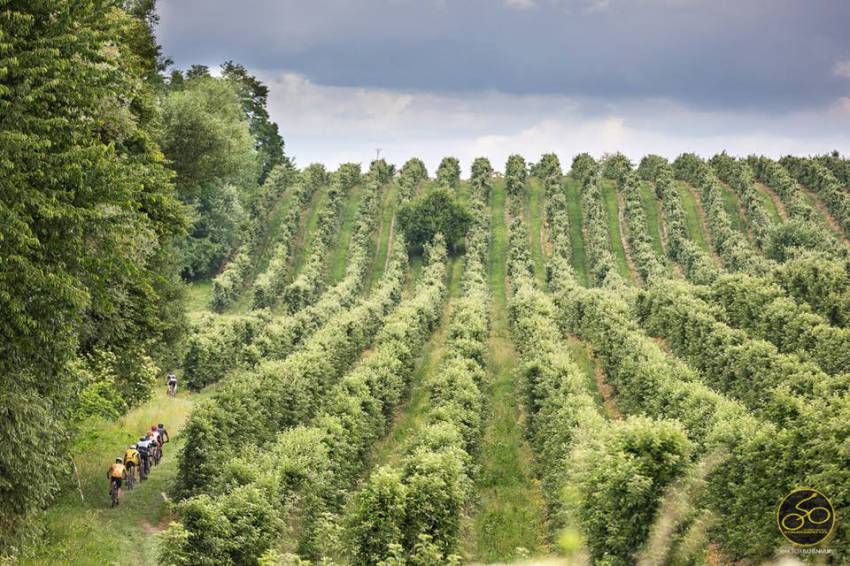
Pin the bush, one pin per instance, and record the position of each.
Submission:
(619, 473)
(436, 212)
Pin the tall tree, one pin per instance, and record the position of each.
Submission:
(254, 97)
(87, 215)
(207, 139)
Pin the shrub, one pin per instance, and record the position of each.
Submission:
(436, 212)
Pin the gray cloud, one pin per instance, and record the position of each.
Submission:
(766, 55)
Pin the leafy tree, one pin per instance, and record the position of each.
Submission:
(254, 98)
(88, 214)
(448, 173)
(142, 39)
(207, 139)
(436, 212)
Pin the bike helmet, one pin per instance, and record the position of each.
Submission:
(153, 428)
(118, 460)
(143, 439)
(134, 446)
(160, 425)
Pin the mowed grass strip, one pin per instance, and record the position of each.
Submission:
(534, 215)
(411, 415)
(578, 260)
(339, 257)
(382, 238)
(89, 532)
(510, 514)
(732, 204)
(693, 217)
(608, 189)
(652, 211)
(309, 221)
(769, 204)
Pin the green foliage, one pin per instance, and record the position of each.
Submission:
(253, 96)
(436, 212)
(697, 265)
(427, 496)
(548, 166)
(619, 475)
(730, 244)
(649, 265)
(651, 166)
(516, 175)
(207, 139)
(583, 167)
(412, 174)
(229, 284)
(615, 167)
(448, 173)
(816, 176)
(313, 463)
(87, 220)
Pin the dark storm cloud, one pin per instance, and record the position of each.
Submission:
(758, 54)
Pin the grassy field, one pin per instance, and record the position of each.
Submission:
(92, 533)
(608, 189)
(510, 514)
(579, 255)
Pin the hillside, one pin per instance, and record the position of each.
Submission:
(664, 327)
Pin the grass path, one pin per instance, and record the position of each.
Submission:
(339, 256)
(382, 241)
(510, 513)
(579, 254)
(817, 203)
(696, 220)
(772, 203)
(535, 213)
(651, 206)
(735, 210)
(624, 240)
(90, 532)
(306, 227)
(609, 197)
(411, 415)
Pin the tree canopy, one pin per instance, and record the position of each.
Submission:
(436, 212)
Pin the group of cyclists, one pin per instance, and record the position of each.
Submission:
(141, 456)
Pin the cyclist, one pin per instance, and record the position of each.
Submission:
(157, 439)
(172, 384)
(153, 437)
(144, 448)
(132, 461)
(115, 474)
(163, 435)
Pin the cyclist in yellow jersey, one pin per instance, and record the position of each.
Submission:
(132, 461)
(116, 473)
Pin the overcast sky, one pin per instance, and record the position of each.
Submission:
(430, 78)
